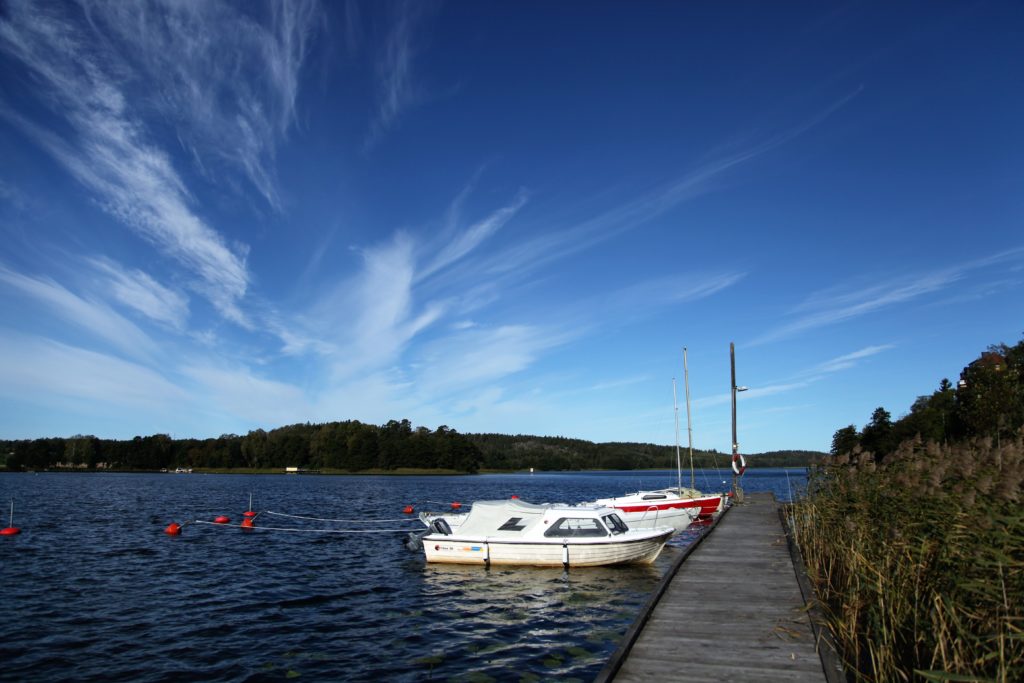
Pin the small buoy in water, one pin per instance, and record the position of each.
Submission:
(456, 506)
(247, 523)
(11, 530)
(222, 519)
(408, 509)
(173, 529)
(515, 497)
(249, 512)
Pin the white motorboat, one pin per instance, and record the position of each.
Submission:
(511, 532)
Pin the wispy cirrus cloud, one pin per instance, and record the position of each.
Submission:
(141, 292)
(465, 241)
(805, 378)
(396, 87)
(91, 316)
(38, 369)
(109, 152)
(849, 360)
(704, 177)
(228, 80)
(847, 302)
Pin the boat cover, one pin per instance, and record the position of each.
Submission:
(511, 518)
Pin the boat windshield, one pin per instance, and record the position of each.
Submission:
(576, 527)
(616, 525)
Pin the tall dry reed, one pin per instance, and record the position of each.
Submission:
(918, 561)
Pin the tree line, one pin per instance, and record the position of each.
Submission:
(354, 446)
(351, 446)
(987, 401)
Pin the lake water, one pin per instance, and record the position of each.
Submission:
(93, 590)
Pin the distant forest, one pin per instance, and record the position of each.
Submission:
(353, 446)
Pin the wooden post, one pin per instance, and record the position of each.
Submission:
(737, 490)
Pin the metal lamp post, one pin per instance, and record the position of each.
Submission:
(737, 490)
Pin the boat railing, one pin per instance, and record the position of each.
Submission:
(647, 511)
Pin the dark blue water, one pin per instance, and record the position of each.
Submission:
(93, 590)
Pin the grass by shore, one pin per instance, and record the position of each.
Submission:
(919, 561)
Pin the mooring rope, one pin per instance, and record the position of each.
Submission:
(307, 531)
(325, 519)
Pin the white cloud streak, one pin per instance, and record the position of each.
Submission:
(37, 369)
(397, 90)
(93, 317)
(840, 304)
(112, 156)
(139, 291)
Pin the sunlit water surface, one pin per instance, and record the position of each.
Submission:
(94, 590)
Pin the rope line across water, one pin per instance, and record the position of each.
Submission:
(306, 531)
(325, 519)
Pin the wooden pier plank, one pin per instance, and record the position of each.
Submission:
(733, 611)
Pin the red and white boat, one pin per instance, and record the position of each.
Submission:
(678, 505)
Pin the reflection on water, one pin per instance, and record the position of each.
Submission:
(94, 590)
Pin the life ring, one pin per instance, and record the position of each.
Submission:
(739, 469)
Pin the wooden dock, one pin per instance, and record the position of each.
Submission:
(730, 610)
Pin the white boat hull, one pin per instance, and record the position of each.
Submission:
(454, 550)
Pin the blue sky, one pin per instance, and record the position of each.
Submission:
(502, 217)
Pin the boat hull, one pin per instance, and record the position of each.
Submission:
(455, 550)
(636, 511)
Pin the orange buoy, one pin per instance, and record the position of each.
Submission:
(222, 519)
(515, 497)
(408, 509)
(247, 523)
(456, 506)
(173, 529)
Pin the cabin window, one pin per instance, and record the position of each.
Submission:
(576, 527)
(512, 525)
(655, 496)
(615, 523)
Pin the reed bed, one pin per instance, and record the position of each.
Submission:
(918, 561)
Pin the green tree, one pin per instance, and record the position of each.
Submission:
(877, 435)
(990, 396)
(845, 440)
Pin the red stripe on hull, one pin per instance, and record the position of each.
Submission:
(708, 506)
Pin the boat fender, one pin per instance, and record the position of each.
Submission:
(739, 465)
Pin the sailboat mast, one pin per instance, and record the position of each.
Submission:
(679, 465)
(689, 424)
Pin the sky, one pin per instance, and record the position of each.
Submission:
(503, 217)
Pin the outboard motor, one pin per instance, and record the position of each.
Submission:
(441, 526)
(415, 540)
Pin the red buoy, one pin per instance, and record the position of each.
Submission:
(456, 506)
(247, 523)
(515, 497)
(249, 513)
(11, 530)
(173, 529)
(408, 509)
(222, 519)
